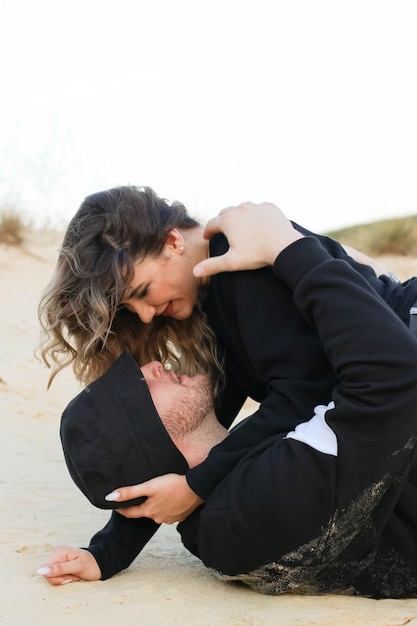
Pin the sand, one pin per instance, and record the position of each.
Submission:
(40, 507)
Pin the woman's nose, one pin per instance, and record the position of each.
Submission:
(144, 311)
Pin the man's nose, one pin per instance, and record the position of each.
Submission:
(152, 370)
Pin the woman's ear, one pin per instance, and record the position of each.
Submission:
(175, 241)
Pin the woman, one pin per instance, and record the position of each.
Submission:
(87, 313)
(124, 281)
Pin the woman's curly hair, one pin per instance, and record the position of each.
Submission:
(82, 322)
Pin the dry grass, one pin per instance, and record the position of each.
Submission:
(396, 237)
(12, 227)
(403, 266)
(393, 242)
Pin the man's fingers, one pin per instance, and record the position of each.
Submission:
(214, 265)
(212, 227)
(217, 224)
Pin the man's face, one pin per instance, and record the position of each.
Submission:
(182, 402)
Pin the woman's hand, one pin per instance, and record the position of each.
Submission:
(169, 499)
(67, 565)
(256, 233)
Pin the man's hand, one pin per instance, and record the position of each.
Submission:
(169, 499)
(68, 564)
(256, 233)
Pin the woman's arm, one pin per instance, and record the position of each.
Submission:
(361, 257)
(67, 565)
(111, 550)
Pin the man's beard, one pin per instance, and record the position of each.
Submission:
(189, 412)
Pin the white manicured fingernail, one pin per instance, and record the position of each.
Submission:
(65, 582)
(43, 571)
(111, 497)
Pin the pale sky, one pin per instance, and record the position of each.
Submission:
(310, 104)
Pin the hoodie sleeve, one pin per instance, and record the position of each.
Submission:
(120, 541)
(284, 349)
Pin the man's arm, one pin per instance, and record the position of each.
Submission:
(295, 382)
(248, 227)
(290, 358)
(291, 497)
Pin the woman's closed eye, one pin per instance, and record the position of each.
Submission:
(141, 294)
(138, 293)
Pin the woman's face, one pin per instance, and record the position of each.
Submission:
(163, 286)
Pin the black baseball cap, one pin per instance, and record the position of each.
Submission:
(112, 435)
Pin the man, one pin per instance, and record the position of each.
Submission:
(329, 507)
